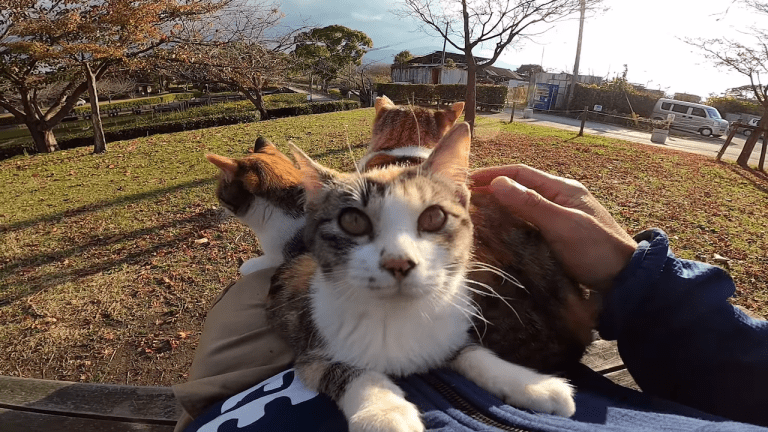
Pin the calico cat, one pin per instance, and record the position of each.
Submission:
(263, 191)
(383, 291)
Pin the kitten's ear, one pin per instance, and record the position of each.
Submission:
(457, 109)
(313, 175)
(451, 155)
(383, 102)
(261, 142)
(227, 166)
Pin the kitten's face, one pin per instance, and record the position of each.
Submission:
(402, 235)
(266, 173)
(395, 232)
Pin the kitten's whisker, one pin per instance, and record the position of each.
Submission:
(288, 303)
(500, 297)
(467, 314)
(349, 146)
(481, 266)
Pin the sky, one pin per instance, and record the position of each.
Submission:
(647, 36)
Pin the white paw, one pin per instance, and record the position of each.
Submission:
(551, 395)
(255, 264)
(390, 414)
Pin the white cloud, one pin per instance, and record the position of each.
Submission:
(367, 18)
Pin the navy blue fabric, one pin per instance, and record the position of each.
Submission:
(680, 338)
(684, 344)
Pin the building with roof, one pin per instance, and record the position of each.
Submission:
(452, 69)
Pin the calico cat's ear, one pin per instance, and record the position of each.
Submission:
(383, 102)
(227, 166)
(313, 175)
(451, 156)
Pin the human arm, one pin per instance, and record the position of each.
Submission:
(681, 339)
(676, 331)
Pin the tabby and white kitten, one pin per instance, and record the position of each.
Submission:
(538, 316)
(534, 314)
(263, 191)
(382, 291)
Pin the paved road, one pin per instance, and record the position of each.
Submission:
(678, 140)
(316, 97)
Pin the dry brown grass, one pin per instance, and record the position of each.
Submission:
(101, 279)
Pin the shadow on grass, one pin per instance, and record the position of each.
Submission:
(127, 199)
(759, 179)
(37, 282)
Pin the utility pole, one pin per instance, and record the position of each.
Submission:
(572, 86)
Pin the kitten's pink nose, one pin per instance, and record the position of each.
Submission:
(399, 267)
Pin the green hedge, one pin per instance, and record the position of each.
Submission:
(612, 100)
(166, 98)
(434, 93)
(7, 121)
(314, 108)
(173, 123)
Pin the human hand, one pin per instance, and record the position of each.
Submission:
(590, 244)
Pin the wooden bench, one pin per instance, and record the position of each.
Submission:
(29, 405)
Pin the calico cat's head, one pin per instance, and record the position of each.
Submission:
(397, 232)
(266, 173)
(400, 126)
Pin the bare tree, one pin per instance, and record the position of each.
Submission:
(486, 23)
(115, 85)
(246, 48)
(748, 58)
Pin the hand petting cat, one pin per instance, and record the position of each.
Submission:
(590, 244)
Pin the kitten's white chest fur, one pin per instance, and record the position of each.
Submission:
(395, 337)
(274, 228)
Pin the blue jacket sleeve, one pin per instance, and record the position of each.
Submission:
(681, 339)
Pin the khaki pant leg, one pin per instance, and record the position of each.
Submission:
(237, 349)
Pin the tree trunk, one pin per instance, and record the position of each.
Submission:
(256, 99)
(749, 145)
(45, 141)
(470, 98)
(99, 142)
(311, 78)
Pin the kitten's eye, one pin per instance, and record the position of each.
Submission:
(354, 222)
(432, 219)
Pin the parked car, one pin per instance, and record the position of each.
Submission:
(80, 102)
(751, 122)
(690, 116)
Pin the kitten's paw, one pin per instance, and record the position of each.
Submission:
(550, 395)
(390, 414)
(255, 264)
(373, 403)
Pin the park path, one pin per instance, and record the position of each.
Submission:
(677, 140)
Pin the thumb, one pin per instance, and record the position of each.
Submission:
(528, 204)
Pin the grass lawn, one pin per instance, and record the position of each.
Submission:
(104, 276)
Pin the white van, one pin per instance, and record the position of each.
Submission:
(690, 116)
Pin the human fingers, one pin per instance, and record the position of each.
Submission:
(529, 204)
(563, 191)
(591, 251)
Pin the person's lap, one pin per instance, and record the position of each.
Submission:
(237, 348)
